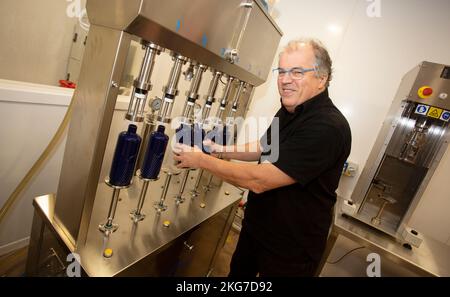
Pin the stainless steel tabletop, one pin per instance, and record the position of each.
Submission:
(432, 258)
(133, 242)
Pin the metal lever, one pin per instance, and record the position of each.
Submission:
(189, 247)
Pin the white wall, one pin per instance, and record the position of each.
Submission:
(36, 38)
(370, 57)
(29, 117)
(30, 114)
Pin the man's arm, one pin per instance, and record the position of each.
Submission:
(255, 177)
(245, 152)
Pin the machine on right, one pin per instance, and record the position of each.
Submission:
(407, 151)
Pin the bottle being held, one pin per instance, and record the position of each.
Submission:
(125, 156)
(154, 155)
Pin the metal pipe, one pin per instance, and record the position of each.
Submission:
(170, 90)
(208, 184)
(109, 226)
(144, 79)
(179, 197)
(195, 85)
(210, 96)
(142, 196)
(137, 214)
(234, 108)
(113, 207)
(172, 85)
(142, 85)
(148, 127)
(224, 101)
(192, 94)
(160, 206)
(194, 191)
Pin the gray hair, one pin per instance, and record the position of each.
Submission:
(323, 60)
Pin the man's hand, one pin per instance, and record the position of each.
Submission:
(189, 157)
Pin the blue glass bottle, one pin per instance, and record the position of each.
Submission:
(125, 156)
(154, 155)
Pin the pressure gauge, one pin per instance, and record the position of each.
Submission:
(156, 104)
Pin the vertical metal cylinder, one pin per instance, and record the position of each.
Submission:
(142, 197)
(170, 90)
(113, 207)
(148, 127)
(109, 226)
(194, 191)
(137, 214)
(224, 101)
(179, 197)
(172, 85)
(187, 129)
(142, 85)
(192, 94)
(237, 97)
(209, 184)
(160, 206)
(210, 97)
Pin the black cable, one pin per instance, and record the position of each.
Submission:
(345, 255)
(222, 80)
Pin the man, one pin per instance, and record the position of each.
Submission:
(291, 200)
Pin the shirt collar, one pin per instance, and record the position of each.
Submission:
(310, 104)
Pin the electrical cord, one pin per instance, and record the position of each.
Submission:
(345, 255)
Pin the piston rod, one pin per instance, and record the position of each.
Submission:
(142, 85)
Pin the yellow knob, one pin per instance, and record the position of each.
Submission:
(107, 253)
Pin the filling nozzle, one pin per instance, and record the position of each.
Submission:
(210, 97)
(235, 106)
(171, 89)
(192, 94)
(224, 101)
(142, 85)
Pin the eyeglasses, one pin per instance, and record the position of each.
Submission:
(295, 72)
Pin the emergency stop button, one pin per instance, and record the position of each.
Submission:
(425, 92)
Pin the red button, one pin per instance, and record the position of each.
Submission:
(427, 92)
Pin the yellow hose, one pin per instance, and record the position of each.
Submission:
(38, 164)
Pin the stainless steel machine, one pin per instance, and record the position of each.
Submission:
(142, 227)
(407, 151)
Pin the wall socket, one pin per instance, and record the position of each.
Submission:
(350, 169)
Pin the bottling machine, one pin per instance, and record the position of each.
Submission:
(119, 204)
(407, 151)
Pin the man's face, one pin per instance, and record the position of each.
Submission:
(295, 92)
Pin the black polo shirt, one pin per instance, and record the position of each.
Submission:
(293, 222)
